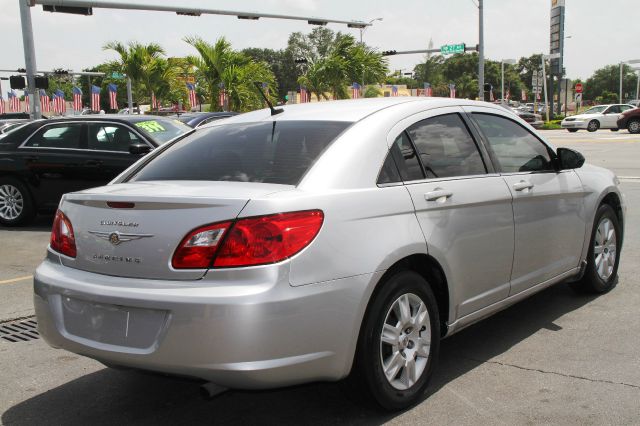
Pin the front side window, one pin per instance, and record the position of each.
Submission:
(269, 152)
(515, 148)
(58, 136)
(111, 137)
(445, 147)
(613, 109)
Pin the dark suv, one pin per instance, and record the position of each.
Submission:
(630, 120)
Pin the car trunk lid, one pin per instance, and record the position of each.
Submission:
(139, 236)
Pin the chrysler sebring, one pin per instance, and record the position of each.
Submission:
(324, 241)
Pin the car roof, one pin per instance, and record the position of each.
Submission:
(350, 110)
(108, 117)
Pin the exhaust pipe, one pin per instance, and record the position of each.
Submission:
(210, 390)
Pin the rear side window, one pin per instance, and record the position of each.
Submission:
(446, 148)
(272, 152)
(58, 136)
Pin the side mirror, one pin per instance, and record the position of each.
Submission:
(139, 148)
(570, 159)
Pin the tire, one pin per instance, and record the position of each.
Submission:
(404, 288)
(593, 126)
(601, 273)
(572, 130)
(16, 205)
(633, 126)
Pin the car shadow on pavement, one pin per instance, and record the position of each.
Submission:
(111, 396)
(41, 222)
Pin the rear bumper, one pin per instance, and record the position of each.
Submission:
(241, 335)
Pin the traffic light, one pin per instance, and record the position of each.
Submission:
(388, 52)
(87, 11)
(487, 87)
(60, 71)
(42, 82)
(300, 61)
(17, 82)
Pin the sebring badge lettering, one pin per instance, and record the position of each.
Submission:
(118, 223)
(110, 258)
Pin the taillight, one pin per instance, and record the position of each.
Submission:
(198, 248)
(62, 238)
(251, 241)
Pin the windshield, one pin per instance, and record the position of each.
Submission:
(272, 152)
(162, 130)
(595, 110)
(10, 128)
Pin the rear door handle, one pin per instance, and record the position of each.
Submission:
(522, 185)
(440, 195)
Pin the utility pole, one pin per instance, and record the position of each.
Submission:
(621, 68)
(130, 96)
(29, 59)
(481, 51)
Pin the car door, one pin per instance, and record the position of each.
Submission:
(55, 159)
(610, 117)
(463, 207)
(108, 145)
(548, 205)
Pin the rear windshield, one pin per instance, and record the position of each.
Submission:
(162, 130)
(272, 152)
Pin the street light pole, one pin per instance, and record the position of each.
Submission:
(362, 30)
(632, 61)
(480, 51)
(621, 69)
(29, 59)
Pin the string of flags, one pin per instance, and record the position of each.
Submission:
(193, 97)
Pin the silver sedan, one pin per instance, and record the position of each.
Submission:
(331, 240)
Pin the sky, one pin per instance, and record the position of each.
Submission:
(602, 33)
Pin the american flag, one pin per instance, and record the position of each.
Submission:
(304, 95)
(1, 104)
(193, 98)
(394, 90)
(113, 91)
(355, 91)
(428, 91)
(27, 108)
(95, 98)
(77, 99)
(154, 101)
(14, 102)
(523, 95)
(222, 95)
(59, 104)
(452, 90)
(44, 101)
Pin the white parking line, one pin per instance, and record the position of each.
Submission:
(15, 280)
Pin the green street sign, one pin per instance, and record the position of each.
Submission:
(450, 49)
(117, 75)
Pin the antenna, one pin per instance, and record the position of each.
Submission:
(273, 110)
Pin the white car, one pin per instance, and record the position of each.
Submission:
(598, 117)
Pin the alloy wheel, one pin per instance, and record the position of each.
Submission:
(405, 341)
(605, 248)
(11, 202)
(634, 126)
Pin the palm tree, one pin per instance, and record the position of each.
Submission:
(218, 64)
(138, 61)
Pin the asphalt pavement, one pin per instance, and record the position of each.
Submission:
(555, 358)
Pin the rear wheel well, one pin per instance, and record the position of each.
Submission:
(431, 271)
